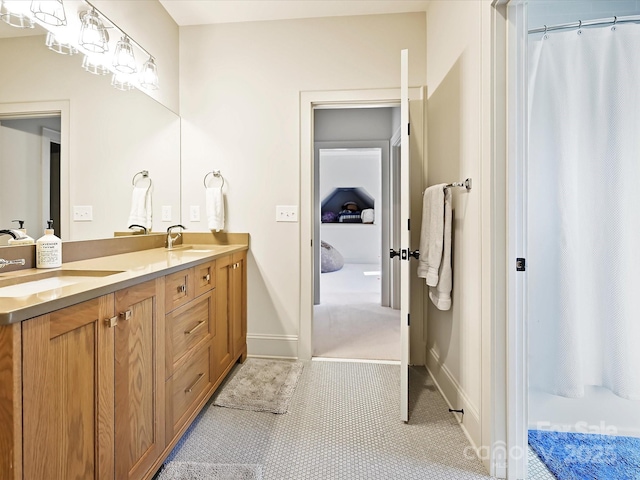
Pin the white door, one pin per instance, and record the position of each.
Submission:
(405, 237)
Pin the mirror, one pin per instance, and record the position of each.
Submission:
(107, 136)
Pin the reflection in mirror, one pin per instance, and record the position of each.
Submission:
(30, 145)
(111, 136)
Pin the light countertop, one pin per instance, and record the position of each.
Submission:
(133, 268)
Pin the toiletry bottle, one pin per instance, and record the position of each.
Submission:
(48, 249)
(24, 238)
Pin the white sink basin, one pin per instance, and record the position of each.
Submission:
(21, 286)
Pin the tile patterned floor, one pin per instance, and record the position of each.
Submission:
(343, 423)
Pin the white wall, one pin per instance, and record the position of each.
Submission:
(357, 243)
(240, 114)
(458, 140)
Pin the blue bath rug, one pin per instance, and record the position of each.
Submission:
(587, 456)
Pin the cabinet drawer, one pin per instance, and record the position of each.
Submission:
(179, 289)
(205, 277)
(188, 325)
(188, 387)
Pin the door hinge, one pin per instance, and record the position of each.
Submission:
(312, 242)
(408, 129)
(408, 224)
(521, 264)
(408, 319)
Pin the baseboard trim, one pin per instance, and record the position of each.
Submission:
(455, 397)
(276, 346)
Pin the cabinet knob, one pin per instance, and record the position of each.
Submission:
(206, 278)
(182, 289)
(111, 322)
(125, 315)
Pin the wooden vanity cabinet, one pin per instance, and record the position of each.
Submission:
(139, 378)
(103, 389)
(68, 392)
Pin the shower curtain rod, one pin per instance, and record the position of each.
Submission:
(588, 23)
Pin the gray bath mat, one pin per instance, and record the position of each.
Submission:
(209, 471)
(261, 385)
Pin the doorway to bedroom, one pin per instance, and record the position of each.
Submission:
(356, 309)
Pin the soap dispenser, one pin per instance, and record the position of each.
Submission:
(48, 249)
(24, 239)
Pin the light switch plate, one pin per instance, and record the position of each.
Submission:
(286, 213)
(82, 213)
(194, 213)
(166, 213)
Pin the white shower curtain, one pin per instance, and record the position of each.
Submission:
(584, 211)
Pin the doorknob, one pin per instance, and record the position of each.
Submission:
(394, 253)
(415, 254)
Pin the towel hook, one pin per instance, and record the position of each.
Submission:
(145, 174)
(215, 173)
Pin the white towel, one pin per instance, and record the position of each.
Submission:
(440, 295)
(215, 208)
(141, 207)
(432, 233)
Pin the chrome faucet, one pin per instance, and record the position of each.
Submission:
(4, 263)
(171, 240)
(141, 227)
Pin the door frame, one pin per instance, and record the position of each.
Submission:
(44, 109)
(382, 205)
(308, 101)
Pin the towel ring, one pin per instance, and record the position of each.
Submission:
(145, 174)
(215, 173)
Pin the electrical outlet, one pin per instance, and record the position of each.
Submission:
(286, 213)
(194, 213)
(166, 213)
(82, 213)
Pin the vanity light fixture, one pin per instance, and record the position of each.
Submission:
(93, 64)
(93, 34)
(149, 75)
(123, 58)
(58, 46)
(16, 13)
(121, 81)
(50, 12)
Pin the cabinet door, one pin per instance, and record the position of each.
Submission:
(238, 304)
(139, 378)
(223, 344)
(68, 393)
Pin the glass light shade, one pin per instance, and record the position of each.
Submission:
(94, 65)
(16, 13)
(149, 75)
(93, 35)
(50, 12)
(121, 81)
(58, 46)
(123, 59)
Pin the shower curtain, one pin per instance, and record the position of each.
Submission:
(583, 204)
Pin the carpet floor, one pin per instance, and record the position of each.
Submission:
(343, 423)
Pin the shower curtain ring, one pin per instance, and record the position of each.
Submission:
(615, 20)
(544, 35)
(579, 27)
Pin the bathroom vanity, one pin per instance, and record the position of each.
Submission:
(100, 378)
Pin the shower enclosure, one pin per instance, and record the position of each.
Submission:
(583, 230)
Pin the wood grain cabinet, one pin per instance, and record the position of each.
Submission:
(139, 379)
(67, 393)
(104, 389)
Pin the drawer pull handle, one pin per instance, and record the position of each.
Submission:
(189, 332)
(206, 278)
(125, 315)
(111, 322)
(200, 377)
(182, 288)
